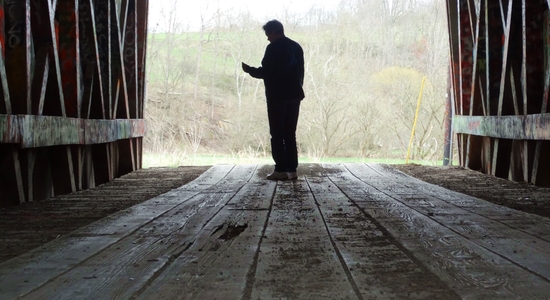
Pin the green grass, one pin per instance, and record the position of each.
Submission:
(175, 160)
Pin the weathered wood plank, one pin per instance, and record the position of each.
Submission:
(102, 17)
(217, 264)
(66, 16)
(18, 52)
(42, 131)
(5, 93)
(519, 247)
(130, 44)
(142, 7)
(9, 129)
(24, 273)
(378, 265)
(122, 269)
(346, 231)
(208, 178)
(121, 105)
(531, 224)
(297, 259)
(464, 264)
(529, 127)
(125, 266)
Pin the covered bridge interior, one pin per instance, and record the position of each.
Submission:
(72, 75)
(73, 92)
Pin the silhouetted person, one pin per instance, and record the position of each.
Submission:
(283, 73)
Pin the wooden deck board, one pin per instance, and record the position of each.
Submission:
(483, 226)
(371, 256)
(218, 262)
(297, 260)
(466, 265)
(350, 231)
(125, 267)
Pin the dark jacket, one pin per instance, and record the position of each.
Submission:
(282, 70)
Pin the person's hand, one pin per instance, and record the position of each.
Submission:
(246, 68)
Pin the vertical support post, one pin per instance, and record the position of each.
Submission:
(507, 27)
(525, 148)
(130, 59)
(94, 90)
(448, 124)
(4, 93)
(142, 9)
(69, 54)
(121, 106)
(18, 54)
(103, 31)
(18, 175)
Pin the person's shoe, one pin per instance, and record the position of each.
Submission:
(277, 176)
(292, 175)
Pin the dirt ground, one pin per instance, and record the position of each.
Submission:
(31, 225)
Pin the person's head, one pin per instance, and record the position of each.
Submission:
(274, 30)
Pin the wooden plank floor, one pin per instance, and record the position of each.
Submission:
(346, 231)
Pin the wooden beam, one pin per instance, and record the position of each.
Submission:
(18, 54)
(142, 20)
(94, 84)
(4, 83)
(9, 132)
(530, 127)
(130, 58)
(42, 131)
(18, 176)
(102, 17)
(4, 94)
(68, 41)
(105, 131)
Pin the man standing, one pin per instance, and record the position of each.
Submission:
(283, 73)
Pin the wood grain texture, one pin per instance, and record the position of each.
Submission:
(452, 246)
(43, 131)
(345, 231)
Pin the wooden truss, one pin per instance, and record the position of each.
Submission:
(72, 81)
(500, 73)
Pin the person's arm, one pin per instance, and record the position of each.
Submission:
(254, 72)
(269, 67)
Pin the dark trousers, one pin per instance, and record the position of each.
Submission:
(283, 119)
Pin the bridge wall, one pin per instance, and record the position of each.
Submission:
(500, 82)
(72, 90)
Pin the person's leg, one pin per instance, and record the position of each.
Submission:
(276, 117)
(291, 122)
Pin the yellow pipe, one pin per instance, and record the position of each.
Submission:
(415, 119)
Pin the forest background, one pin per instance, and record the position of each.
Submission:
(365, 61)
